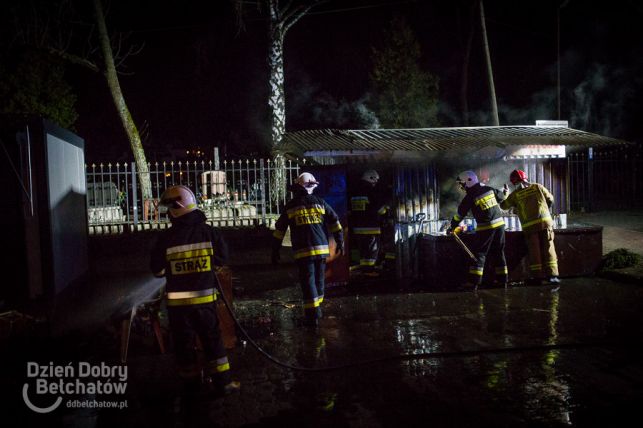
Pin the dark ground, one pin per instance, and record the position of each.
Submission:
(519, 357)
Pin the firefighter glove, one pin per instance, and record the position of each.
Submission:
(340, 248)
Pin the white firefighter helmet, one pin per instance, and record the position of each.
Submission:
(371, 176)
(179, 200)
(307, 181)
(467, 179)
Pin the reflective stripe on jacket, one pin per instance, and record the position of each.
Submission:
(366, 210)
(309, 218)
(482, 201)
(189, 253)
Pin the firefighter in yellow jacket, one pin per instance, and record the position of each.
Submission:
(532, 203)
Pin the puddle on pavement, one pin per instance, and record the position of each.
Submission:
(549, 387)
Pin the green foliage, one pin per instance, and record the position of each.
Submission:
(619, 259)
(404, 96)
(34, 83)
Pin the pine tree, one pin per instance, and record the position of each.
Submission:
(403, 95)
(34, 83)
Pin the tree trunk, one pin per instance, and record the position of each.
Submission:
(121, 106)
(492, 88)
(277, 105)
(280, 21)
(277, 100)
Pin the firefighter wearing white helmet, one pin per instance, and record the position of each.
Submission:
(178, 200)
(371, 176)
(532, 203)
(367, 209)
(489, 239)
(467, 179)
(188, 254)
(308, 182)
(310, 220)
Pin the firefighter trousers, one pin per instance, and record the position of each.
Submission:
(489, 244)
(192, 321)
(387, 256)
(312, 272)
(543, 261)
(369, 249)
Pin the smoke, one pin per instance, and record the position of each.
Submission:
(600, 101)
(599, 97)
(494, 173)
(308, 106)
(328, 112)
(540, 105)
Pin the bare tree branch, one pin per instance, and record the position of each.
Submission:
(297, 13)
(295, 16)
(284, 9)
(74, 59)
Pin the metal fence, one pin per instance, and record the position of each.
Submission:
(603, 179)
(230, 193)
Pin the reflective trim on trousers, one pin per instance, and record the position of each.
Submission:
(367, 231)
(476, 271)
(219, 365)
(314, 303)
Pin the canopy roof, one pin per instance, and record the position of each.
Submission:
(341, 143)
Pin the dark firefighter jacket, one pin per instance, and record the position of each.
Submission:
(309, 218)
(189, 252)
(367, 207)
(483, 202)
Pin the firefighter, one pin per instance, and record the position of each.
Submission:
(310, 219)
(388, 254)
(489, 240)
(532, 203)
(187, 254)
(366, 214)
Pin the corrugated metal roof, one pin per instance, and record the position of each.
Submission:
(438, 139)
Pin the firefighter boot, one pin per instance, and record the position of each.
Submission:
(217, 387)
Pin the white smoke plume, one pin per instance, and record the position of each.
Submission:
(600, 101)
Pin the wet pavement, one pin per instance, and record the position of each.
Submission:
(518, 357)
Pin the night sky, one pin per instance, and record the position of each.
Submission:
(201, 82)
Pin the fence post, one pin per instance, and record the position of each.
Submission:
(590, 178)
(216, 158)
(262, 186)
(134, 196)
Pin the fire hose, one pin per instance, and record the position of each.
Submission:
(408, 356)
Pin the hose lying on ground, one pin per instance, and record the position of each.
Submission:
(410, 356)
